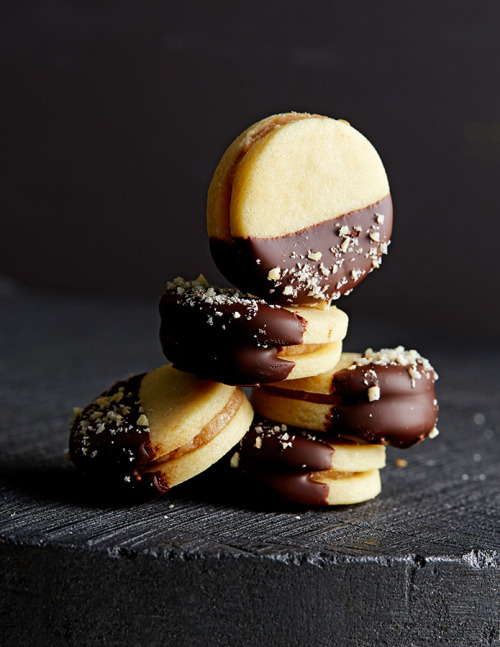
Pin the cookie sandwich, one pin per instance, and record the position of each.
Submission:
(224, 335)
(299, 209)
(156, 430)
(290, 464)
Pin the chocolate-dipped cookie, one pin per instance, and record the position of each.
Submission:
(226, 336)
(153, 431)
(298, 467)
(377, 397)
(299, 209)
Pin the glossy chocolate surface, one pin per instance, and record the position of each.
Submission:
(280, 459)
(344, 250)
(285, 448)
(228, 338)
(108, 446)
(405, 413)
(294, 487)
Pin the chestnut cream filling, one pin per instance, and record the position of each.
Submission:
(295, 394)
(299, 349)
(208, 432)
(333, 475)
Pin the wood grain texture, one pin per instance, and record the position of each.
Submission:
(419, 565)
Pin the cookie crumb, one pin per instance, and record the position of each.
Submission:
(142, 420)
(374, 393)
(235, 460)
(401, 462)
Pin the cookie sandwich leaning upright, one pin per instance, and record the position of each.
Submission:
(153, 431)
(299, 209)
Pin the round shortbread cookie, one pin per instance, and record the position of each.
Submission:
(299, 209)
(153, 431)
(296, 466)
(378, 397)
(226, 336)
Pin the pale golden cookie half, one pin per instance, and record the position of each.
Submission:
(153, 431)
(385, 396)
(348, 488)
(299, 209)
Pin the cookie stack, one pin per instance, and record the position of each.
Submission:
(299, 212)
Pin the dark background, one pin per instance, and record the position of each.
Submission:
(115, 114)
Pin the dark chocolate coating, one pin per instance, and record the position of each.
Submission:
(294, 487)
(113, 454)
(281, 463)
(303, 454)
(404, 415)
(246, 262)
(207, 339)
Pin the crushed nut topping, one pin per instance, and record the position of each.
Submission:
(315, 256)
(116, 412)
(274, 274)
(198, 293)
(411, 359)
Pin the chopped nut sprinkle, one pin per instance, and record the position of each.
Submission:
(315, 256)
(274, 274)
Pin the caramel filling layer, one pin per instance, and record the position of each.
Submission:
(300, 349)
(208, 432)
(333, 475)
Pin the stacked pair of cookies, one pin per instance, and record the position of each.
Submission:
(333, 428)
(299, 212)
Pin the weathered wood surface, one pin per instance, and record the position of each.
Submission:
(419, 565)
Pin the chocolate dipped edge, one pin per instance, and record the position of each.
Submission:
(229, 342)
(318, 263)
(111, 450)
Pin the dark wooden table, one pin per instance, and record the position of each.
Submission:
(419, 565)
